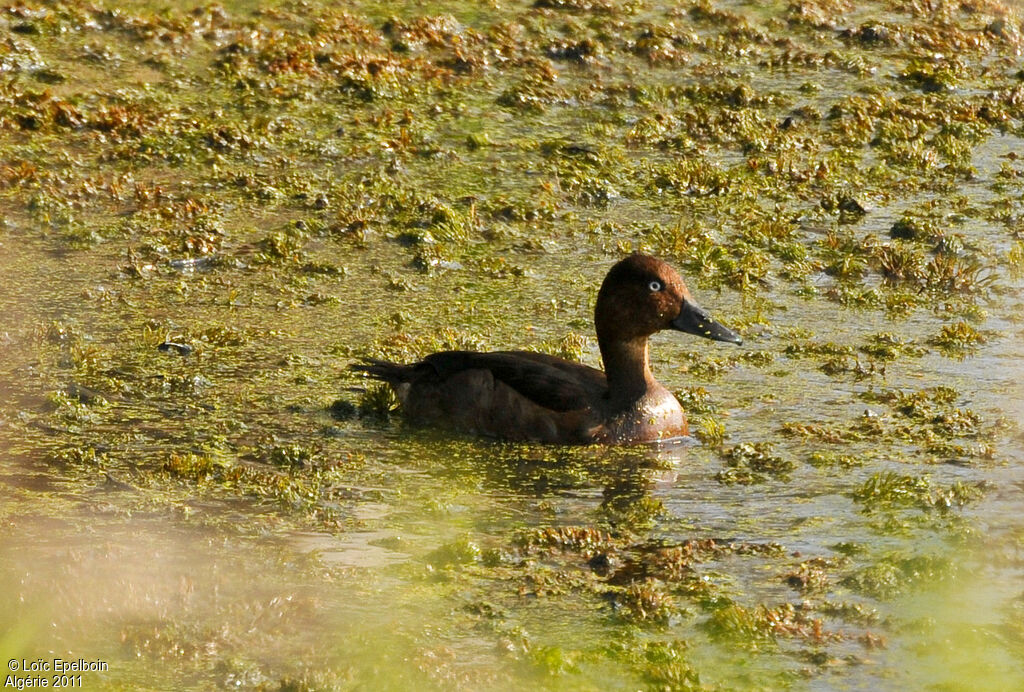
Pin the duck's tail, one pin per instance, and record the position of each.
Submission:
(384, 370)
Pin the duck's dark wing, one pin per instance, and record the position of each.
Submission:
(554, 383)
(551, 382)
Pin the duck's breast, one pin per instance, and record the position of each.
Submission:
(655, 416)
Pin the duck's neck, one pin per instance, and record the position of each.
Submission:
(627, 367)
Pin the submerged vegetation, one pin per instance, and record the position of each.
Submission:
(210, 210)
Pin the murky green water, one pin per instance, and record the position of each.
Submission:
(275, 192)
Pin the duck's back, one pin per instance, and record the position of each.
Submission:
(514, 395)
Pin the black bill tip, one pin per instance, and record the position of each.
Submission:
(693, 319)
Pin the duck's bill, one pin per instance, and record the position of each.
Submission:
(693, 320)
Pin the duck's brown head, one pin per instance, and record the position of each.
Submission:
(642, 295)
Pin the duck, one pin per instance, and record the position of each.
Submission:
(524, 396)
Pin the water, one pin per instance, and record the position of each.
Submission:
(205, 521)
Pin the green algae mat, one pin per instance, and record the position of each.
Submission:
(207, 212)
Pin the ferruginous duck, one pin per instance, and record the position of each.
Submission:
(523, 396)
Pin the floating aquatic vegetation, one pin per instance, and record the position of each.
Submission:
(208, 213)
(753, 463)
(889, 489)
(958, 339)
(899, 573)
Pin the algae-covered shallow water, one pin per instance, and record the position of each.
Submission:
(210, 211)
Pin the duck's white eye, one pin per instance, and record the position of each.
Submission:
(655, 286)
